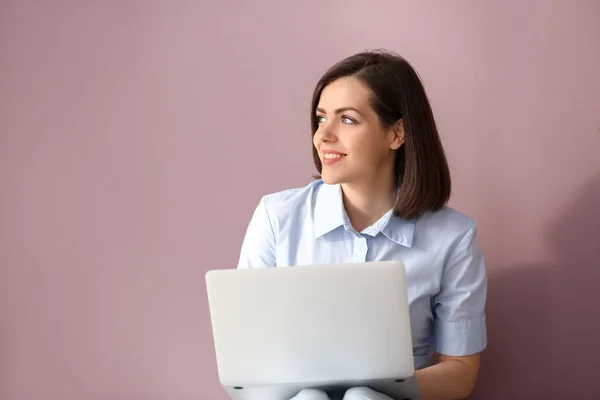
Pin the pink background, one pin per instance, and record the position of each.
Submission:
(136, 138)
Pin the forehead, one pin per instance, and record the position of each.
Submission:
(345, 92)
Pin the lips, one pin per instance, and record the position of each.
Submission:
(332, 157)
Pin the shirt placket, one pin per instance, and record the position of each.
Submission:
(361, 248)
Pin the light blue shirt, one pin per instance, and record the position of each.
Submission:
(445, 269)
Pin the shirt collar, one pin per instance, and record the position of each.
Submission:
(399, 230)
(330, 214)
(329, 210)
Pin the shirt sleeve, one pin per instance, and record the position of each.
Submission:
(258, 247)
(459, 307)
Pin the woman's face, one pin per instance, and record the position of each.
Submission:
(352, 144)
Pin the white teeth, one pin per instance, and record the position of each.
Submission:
(331, 156)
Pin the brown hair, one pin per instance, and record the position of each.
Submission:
(421, 168)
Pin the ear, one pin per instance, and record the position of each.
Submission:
(397, 135)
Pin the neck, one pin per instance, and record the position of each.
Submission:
(367, 202)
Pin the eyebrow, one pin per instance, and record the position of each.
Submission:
(339, 110)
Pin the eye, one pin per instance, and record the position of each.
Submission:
(347, 120)
(320, 119)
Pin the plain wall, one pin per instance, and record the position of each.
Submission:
(136, 138)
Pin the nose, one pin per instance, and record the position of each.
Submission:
(325, 133)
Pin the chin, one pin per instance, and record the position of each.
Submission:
(331, 179)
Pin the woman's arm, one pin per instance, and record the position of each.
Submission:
(459, 323)
(451, 378)
(258, 246)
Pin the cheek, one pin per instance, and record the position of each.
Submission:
(370, 147)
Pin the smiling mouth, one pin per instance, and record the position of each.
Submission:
(330, 156)
(331, 159)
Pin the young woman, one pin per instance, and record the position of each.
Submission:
(381, 195)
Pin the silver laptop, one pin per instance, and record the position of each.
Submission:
(279, 330)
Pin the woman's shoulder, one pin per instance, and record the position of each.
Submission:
(447, 220)
(289, 200)
(447, 231)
